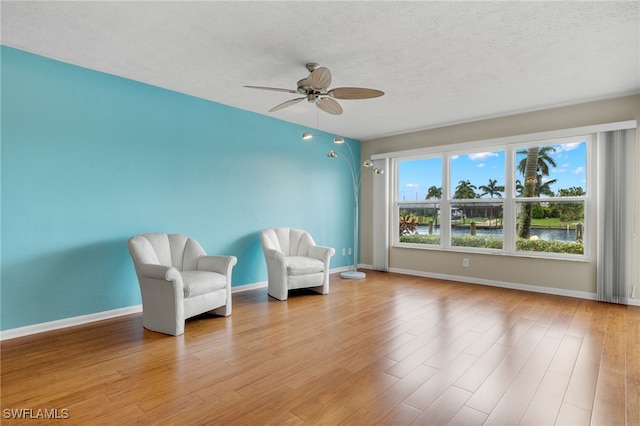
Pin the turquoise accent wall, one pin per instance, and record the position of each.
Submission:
(90, 159)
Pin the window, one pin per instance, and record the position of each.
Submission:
(516, 199)
(419, 194)
(550, 197)
(477, 199)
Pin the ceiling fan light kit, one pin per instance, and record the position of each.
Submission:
(315, 89)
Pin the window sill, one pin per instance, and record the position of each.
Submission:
(491, 252)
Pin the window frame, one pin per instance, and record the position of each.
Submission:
(509, 200)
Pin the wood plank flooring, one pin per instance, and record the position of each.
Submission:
(388, 350)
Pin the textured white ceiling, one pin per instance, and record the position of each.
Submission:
(437, 62)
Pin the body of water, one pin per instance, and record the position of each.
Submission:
(542, 233)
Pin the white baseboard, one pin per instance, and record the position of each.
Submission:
(360, 265)
(342, 269)
(247, 287)
(67, 322)
(501, 284)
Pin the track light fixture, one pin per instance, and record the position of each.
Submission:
(338, 140)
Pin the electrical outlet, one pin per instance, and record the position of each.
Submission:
(344, 251)
(465, 262)
(349, 251)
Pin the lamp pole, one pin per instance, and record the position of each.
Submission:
(355, 179)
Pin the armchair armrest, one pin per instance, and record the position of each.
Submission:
(321, 252)
(159, 272)
(219, 264)
(272, 254)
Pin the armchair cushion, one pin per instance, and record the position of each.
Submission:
(202, 282)
(301, 265)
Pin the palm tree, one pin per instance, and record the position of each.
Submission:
(434, 193)
(530, 173)
(545, 188)
(544, 160)
(519, 188)
(534, 167)
(492, 189)
(464, 191)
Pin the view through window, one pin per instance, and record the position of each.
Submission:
(529, 198)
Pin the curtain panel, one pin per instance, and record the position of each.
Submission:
(613, 222)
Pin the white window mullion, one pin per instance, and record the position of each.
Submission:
(591, 199)
(394, 214)
(445, 206)
(509, 215)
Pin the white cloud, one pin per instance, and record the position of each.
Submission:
(480, 165)
(482, 155)
(455, 157)
(567, 147)
(578, 171)
(412, 185)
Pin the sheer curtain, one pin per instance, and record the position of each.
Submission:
(614, 226)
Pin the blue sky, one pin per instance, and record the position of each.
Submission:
(416, 176)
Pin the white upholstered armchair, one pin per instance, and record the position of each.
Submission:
(294, 261)
(178, 280)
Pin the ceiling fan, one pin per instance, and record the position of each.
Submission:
(315, 89)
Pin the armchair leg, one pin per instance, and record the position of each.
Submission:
(162, 326)
(223, 311)
(323, 289)
(280, 297)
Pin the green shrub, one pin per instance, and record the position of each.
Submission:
(420, 239)
(496, 243)
(482, 242)
(537, 212)
(549, 246)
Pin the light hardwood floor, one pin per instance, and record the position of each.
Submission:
(390, 349)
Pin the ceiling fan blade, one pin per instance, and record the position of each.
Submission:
(274, 89)
(354, 93)
(330, 106)
(286, 104)
(304, 84)
(320, 78)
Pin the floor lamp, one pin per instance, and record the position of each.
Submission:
(355, 179)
